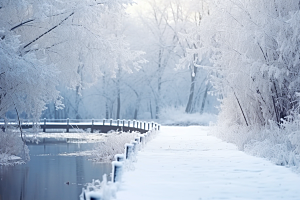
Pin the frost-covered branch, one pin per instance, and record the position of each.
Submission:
(21, 24)
(48, 31)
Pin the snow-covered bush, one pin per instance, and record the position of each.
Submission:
(11, 147)
(178, 116)
(281, 145)
(113, 144)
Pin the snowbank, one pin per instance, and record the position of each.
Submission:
(280, 145)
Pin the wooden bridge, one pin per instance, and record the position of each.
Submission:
(101, 125)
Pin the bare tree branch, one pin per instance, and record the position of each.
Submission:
(21, 24)
(48, 31)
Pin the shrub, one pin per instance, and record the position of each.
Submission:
(113, 144)
(11, 144)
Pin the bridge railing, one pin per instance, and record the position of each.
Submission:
(103, 125)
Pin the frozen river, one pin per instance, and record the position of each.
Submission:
(57, 170)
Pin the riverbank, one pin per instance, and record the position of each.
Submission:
(187, 163)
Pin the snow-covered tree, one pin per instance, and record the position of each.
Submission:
(256, 58)
(26, 82)
(82, 38)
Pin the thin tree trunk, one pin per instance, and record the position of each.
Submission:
(118, 104)
(204, 99)
(104, 95)
(78, 93)
(189, 106)
(118, 93)
(106, 110)
(157, 108)
(241, 109)
(151, 112)
(77, 100)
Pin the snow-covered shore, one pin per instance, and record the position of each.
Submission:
(187, 163)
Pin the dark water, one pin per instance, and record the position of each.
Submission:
(45, 176)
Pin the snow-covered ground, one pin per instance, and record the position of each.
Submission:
(178, 117)
(187, 163)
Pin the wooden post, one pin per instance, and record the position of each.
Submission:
(137, 124)
(116, 171)
(152, 125)
(103, 122)
(119, 157)
(44, 128)
(92, 129)
(128, 123)
(110, 123)
(145, 126)
(133, 123)
(128, 150)
(123, 122)
(118, 122)
(148, 126)
(68, 125)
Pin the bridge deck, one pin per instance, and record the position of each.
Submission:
(104, 126)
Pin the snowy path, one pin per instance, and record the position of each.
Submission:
(184, 163)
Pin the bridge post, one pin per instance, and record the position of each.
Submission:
(123, 122)
(148, 126)
(133, 123)
(110, 122)
(68, 125)
(144, 125)
(44, 128)
(118, 122)
(116, 171)
(103, 122)
(137, 124)
(92, 129)
(128, 123)
(152, 125)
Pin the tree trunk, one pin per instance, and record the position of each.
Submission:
(118, 93)
(78, 92)
(77, 100)
(157, 108)
(151, 112)
(106, 110)
(138, 103)
(204, 99)
(118, 104)
(189, 106)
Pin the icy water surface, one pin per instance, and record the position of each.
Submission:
(49, 175)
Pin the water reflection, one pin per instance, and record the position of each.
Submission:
(49, 176)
